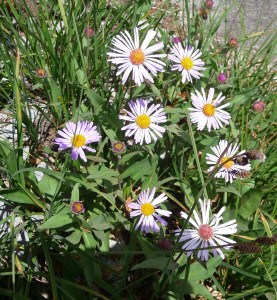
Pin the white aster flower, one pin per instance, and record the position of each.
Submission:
(187, 62)
(136, 57)
(147, 208)
(206, 111)
(206, 233)
(232, 168)
(77, 138)
(143, 121)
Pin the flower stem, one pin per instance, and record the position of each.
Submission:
(196, 155)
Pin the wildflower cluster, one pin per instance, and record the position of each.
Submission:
(144, 122)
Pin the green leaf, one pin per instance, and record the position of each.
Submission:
(244, 96)
(75, 237)
(12, 161)
(90, 243)
(150, 181)
(95, 100)
(179, 132)
(137, 170)
(250, 202)
(197, 289)
(56, 221)
(103, 174)
(270, 296)
(128, 156)
(96, 158)
(101, 222)
(55, 91)
(150, 249)
(5, 149)
(156, 91)
(197, 272)
(16, 195)
(229, 189)
(158, 263)
(48, 185)
(111, 134)
(75, 193)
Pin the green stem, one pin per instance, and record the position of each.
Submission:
(196, 156)
(19, 118)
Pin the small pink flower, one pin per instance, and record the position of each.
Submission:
(209, 3)
(41, 72)
(165, 244)
(233, 42)
(89, 31)
(77, 207)
(222, 77)
(258, 105)
(176, 40)
(118, 147)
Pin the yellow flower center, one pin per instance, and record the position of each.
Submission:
(137, 57)
(118, 146)
(147, 209)
(143, 121)
(77, 207)
(227, 165)
(41, 72)
(187, 63)
(208, 110)
(79, 141)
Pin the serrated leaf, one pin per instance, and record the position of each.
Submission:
(250, 202)
(158, 263)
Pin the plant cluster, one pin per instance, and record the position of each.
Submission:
(155, 146)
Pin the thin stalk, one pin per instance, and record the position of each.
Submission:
(12, 250)
(188, 20)
(196, 156)
(18, 117)
(95, 42)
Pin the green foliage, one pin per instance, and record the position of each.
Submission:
(98, 254)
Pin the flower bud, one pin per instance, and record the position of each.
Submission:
(258, 105)
(209, 3)
(89, 31)
(176, 40)
(233, 42)
(222, 77)
(77, 207)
